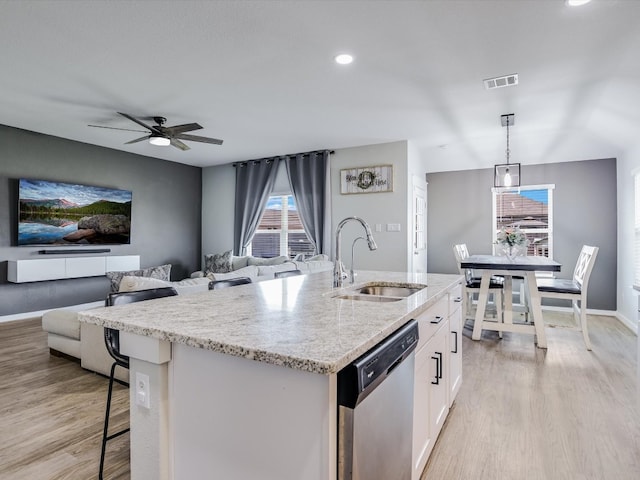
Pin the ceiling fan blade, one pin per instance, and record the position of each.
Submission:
(178, 144)
(114, 128)
(187, 127)
(137, 140)
(134, 119)
(196, 138)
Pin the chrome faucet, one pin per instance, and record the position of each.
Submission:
(352, 275)
(339, 273)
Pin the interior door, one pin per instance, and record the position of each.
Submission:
(419, 226)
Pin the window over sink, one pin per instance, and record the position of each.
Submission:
(280, 231)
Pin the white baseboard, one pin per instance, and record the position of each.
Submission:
(628, 323)
(24, 316)
(605, 313)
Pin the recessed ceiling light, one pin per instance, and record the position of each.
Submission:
(343, 59)
(576, 3)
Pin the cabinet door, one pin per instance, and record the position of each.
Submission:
(439, 379)
(422, 441)
(455, 348)
(430, 397)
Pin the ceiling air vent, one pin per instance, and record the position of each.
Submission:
(499, 82)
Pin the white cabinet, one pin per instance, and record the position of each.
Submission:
(455, 343)
(438, 374)
(40, 269)
(422, 439)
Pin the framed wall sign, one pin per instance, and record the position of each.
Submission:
(366, 179)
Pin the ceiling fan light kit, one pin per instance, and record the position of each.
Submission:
(507, 175)
(164, 136)
(159, 141)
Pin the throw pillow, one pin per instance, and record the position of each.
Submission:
(218, 263)
(133, 284)
(239, 262)
(268, 261)
(161, 272)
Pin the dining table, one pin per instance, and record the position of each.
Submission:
(525, 267)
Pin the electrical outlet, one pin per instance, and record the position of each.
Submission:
(143, 396)
(378, 227)
(393, 227)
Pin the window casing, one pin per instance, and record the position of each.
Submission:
(531, 209)
(280, 231)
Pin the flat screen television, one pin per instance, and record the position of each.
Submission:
(56, 213)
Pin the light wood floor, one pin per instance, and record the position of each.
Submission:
(52, 412)
(522, 413)
(527, 413)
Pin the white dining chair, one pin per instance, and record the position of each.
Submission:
(574, 289)
(472, 286)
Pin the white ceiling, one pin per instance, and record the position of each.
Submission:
(261, 76)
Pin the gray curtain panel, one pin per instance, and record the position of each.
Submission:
(307, 177)
(254, 182)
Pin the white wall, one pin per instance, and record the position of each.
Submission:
(218, 194)
(416, 166)
(374, 208)
(627, 301)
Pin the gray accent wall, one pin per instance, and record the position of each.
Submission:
(218, 204)
(166, 216)
(584, 210)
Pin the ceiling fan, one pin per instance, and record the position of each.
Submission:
(163, 136)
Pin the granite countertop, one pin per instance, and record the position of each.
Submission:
(294, 322)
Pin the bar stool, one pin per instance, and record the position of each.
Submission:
(112, 342)
(231, 282)
(288, 273)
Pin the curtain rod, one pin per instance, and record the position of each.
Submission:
(235, 164)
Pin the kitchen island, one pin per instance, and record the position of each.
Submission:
(242, 381)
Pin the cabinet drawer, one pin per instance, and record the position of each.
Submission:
(430, 321)
(455, 299)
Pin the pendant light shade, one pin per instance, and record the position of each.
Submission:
(507, 175)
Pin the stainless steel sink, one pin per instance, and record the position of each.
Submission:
(388, 291)
(381, 292)
(369, 298)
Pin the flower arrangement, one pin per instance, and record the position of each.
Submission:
(511, 236)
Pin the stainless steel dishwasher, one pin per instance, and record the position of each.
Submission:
(375, 410)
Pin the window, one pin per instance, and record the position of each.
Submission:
(531, 209)
(636, 261)
(280, 231)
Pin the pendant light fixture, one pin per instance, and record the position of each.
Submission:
(507, 174)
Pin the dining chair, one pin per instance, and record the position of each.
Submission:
(472, 286)
(288, 273)
(112, 342)
(574, 289)
(231, 282)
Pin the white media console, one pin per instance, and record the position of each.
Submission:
(40, 269)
